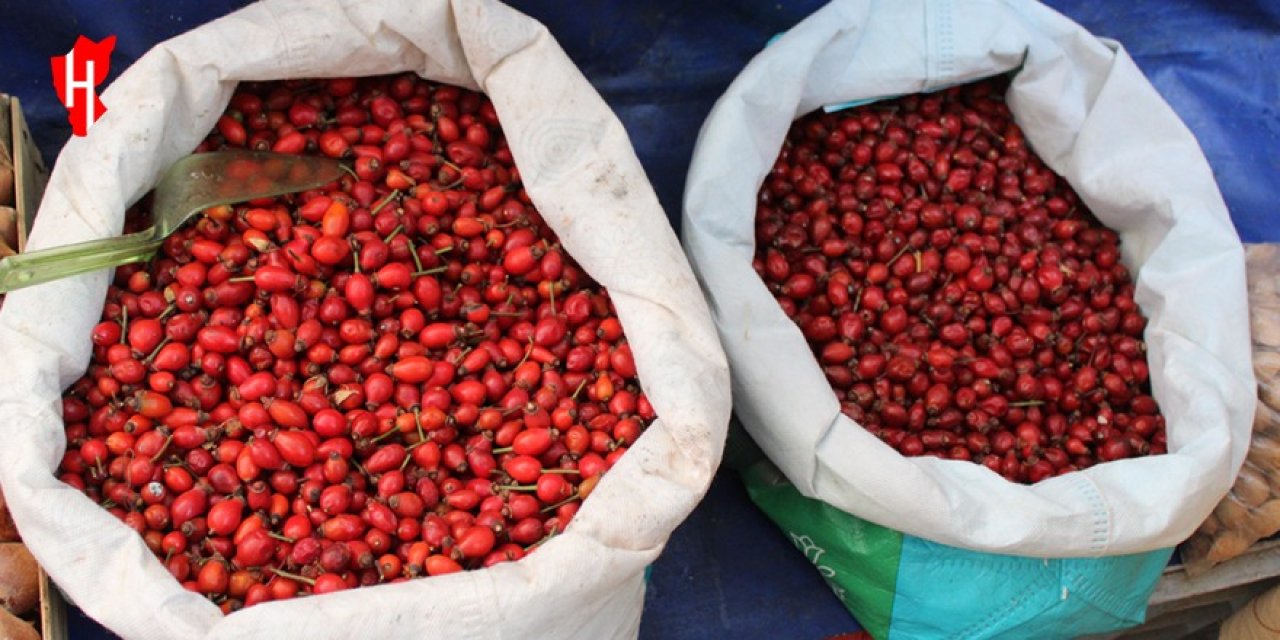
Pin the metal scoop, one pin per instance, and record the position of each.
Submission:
(191, 185)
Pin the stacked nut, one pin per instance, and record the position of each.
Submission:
(19, 582)
(1251, 510)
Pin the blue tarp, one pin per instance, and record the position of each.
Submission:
(660, 64)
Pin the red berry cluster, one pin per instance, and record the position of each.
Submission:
(400, 374)
(962, 301)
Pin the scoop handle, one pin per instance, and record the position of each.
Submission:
(38, 267)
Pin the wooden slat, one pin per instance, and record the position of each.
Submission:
(30, 176)
(30, 173)
(1260, 562)
(53, 610)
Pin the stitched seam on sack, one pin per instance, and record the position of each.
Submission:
(945, 41)
(1100, 532)
(930, 36)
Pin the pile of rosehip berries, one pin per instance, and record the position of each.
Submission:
(399, 374)
(961, 300)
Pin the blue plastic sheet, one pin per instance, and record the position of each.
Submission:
(660, 64)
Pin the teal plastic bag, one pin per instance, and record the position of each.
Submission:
(901, 586)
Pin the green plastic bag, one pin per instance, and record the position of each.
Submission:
(901, 586)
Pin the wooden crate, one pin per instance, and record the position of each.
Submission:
(30, 176)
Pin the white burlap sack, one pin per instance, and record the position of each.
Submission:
(578, 167)
(1093, 117)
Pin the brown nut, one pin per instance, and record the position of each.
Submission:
(1264, 320)
(1264, 453)
(1232, 514)
(1270, 396)
(19, 578)
(8, 530)
(6, 181)
(1210, 526)
(14, 628)
(8, 226)
(1252, 487)
(1267, 521)
(1228, 544)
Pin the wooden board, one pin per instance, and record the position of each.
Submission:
(1261, 562)
(30, 174)
(53, 610)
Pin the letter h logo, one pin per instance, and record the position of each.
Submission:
(76, 76)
